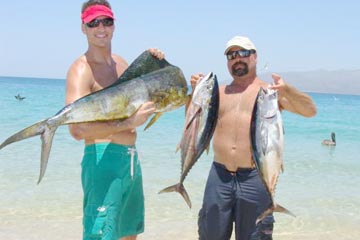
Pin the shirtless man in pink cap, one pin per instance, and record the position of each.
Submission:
(113, 206)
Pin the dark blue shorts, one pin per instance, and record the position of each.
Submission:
(234, 197)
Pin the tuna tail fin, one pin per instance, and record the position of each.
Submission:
(47, 133)
(275, 208)
(279, 208)
(179, 187)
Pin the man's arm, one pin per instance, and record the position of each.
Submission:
(101, 130)
(293, 100)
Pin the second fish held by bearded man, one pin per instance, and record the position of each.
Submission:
(267, 136)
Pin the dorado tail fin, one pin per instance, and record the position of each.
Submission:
(180, 189)
(275, 208)
(47, 133)
(36, 129)
(46, 143)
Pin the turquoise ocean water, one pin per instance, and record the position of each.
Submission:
(320, 184)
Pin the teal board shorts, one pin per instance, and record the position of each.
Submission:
(113, 204)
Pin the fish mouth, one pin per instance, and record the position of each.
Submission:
(270, 115)
(207, 81)
(208, 76)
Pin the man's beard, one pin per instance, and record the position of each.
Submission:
(240, 72)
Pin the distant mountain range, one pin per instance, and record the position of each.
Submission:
(322, 81)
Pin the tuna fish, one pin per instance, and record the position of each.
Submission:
(146, 79)
(267, 137)
(199, 126)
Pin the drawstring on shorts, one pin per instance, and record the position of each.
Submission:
(132, 152)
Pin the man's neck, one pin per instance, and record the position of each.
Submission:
(244, 81)
(99, 55)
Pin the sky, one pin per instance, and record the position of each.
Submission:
(41, 38)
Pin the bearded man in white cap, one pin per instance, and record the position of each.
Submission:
(234, 192)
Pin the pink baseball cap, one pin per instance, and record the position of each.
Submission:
(95, 11)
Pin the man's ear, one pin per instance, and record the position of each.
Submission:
(255, 58)
(83, 28)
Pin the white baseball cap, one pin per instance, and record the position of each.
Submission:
(239, 41)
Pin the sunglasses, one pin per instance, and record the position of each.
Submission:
(241, 53)
(106, 22)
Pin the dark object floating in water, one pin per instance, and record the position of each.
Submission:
(329, 142)
(19, 97)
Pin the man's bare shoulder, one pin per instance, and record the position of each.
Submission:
(80, 68)
(79, 80)
(120, 61)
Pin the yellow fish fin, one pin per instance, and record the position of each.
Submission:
(153, 119)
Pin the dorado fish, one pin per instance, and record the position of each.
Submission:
(146, 79)
(267, 142)
(200, 123)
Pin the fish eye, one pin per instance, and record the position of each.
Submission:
(273, 95)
